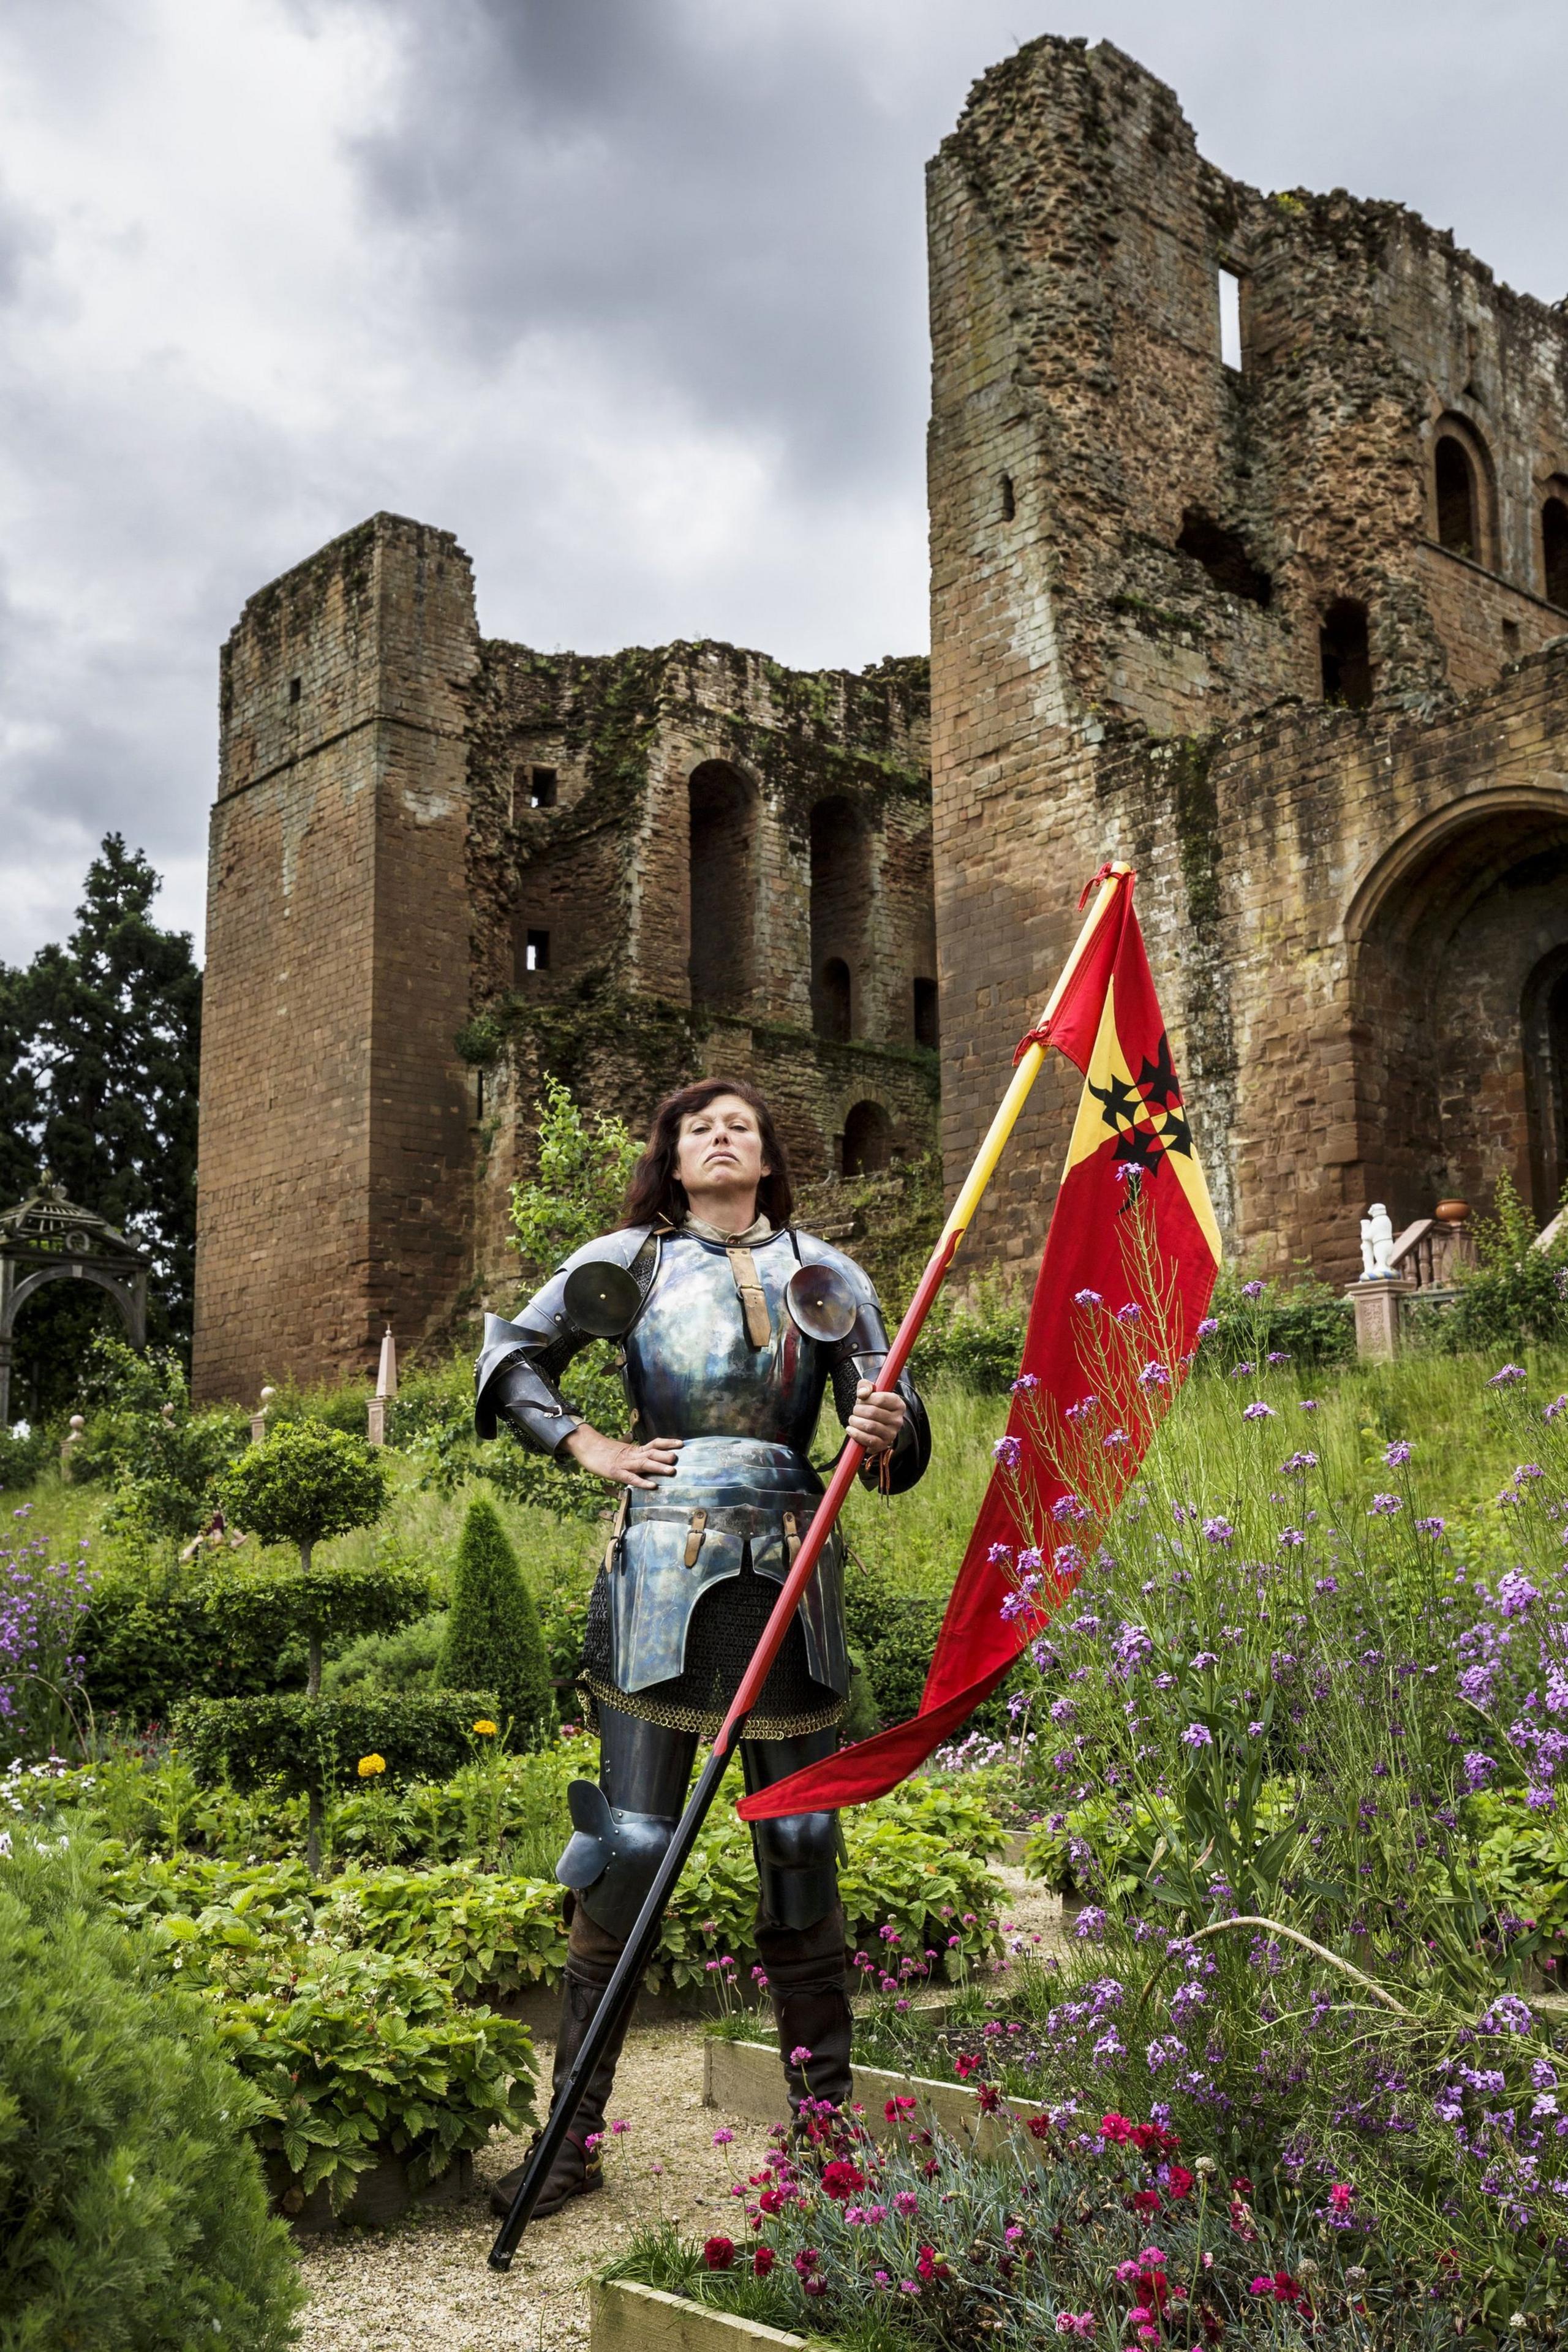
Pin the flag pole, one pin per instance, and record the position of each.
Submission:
(621, 1990)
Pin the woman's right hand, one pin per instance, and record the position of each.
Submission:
(618, 1459)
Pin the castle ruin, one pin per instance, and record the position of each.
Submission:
(1249, 565)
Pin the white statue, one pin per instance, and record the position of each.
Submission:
(1377, 1244)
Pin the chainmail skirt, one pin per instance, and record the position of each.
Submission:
(720, 1639)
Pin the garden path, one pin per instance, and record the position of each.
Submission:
(424, 2284)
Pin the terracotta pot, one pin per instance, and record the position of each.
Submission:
(1451, 1213)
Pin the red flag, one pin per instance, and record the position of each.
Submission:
(1129, 1266)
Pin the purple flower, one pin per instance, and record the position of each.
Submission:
(1091, 1925)
(1252, 1290)
(1131, 1313)
(1478, 1770)
(1026, 1383)
(1290, 1540)
(1558, 1404)
(1384, 1507)
(1242, 1371)
(1515, 1592)
(1258, 1411)
(1309, 1405)
(1113, 1439)
(1508, 1376)
(1430, 1527)
(1396, 1455)
(1278, 1355)
(1326, 1584)
(1255, 1731)
(1218, 1531)
(1153, 1376)
(1297, 1464)
(1198, 1735)
(1008, 1452)
(1087, 1298)
(1208, 1326)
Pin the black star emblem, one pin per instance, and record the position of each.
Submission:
(1178, 1135)
(1158, 1078)
(1139, 1146)
(1121, 1103)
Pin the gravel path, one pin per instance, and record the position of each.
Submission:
(423, 2286)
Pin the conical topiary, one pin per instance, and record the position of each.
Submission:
(494, 1639)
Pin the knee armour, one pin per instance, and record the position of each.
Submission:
(798, 1865)
(612, 1857)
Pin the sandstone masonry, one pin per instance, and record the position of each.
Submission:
(444, 866)
(1281, 624)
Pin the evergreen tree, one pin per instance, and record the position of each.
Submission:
(112, 1028)
(494, 1639)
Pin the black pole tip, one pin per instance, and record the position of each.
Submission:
(499, 2260)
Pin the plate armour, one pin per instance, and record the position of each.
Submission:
(746, 1415)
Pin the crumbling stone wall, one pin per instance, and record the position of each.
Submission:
(1144, 564)
(443, 867)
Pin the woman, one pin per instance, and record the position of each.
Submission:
(725, 1385)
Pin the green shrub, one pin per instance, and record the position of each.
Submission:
(405, 1659)
(304, 1483)
(585, 1167)
(1307, 1325)
(133, 2212)
(310, 1745)
(895, 1635)
(493, 1634)
(480, 1933)
(980, 1342)
(352, 2055)
(254, 1609)
(23, 1458)
(1515, 1294)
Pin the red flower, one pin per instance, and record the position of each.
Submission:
(1153, 2287)
(841, 2178)
(990, 2098)
(806, 2262)
(1144, 2200)
(763, 2260)
(718, 2253)
(897, 2108)
(1039, 2127)
(1241, 2187)
(774, 2200)
(1179, 2181)
(928, 2267)
(963, 2065)
(1116, 2127)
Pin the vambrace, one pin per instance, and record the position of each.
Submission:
(911, 1449)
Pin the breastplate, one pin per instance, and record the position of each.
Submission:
(691, 1370)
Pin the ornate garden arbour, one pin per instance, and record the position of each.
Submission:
(48, 1239)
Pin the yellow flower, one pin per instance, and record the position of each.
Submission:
(484, 1726)
(369, 1766)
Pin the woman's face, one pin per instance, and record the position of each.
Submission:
(720, 1149)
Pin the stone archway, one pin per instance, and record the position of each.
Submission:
(1458, 938)
(47, 1238)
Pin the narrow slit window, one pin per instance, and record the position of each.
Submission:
(1009, 502)
(1230, 319)
(541, 788)
(536, 951)
(926, 1026)
(294, 689)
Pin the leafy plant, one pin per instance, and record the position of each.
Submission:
(1515, 1294)
(493, 1633)
(308, 1745)
(133, 2211)
(585, 1167)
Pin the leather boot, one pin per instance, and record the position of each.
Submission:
(809, 1985)
(591, 1957)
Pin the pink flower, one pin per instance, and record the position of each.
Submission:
(800, 2055)
(1341, 2195)
(906, 2202)
(722, 2138)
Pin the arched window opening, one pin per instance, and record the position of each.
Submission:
(927, 1026)
(723, 818)
(867, 1142)
(1223, 556)
(1554, 550)
(1459, 510)
(1343, 652)
(832, 1011)
(840, 916)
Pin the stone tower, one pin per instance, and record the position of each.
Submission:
(1250, 549)
(332, 1181)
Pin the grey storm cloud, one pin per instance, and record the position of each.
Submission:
(627, 293)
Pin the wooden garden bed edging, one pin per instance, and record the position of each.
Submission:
(625, 2317)
(745, 2078)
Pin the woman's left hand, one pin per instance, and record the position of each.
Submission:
(876, 1418)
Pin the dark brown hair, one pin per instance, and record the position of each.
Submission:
(656, 1191)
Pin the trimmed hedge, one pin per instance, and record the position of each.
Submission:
(493, 1633)
(317, 1743)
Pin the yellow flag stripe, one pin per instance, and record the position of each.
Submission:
(1107, 1067)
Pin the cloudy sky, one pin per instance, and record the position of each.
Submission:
(627, 293)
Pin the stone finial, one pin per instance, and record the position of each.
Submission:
(258, 1418)
(386, 1377)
